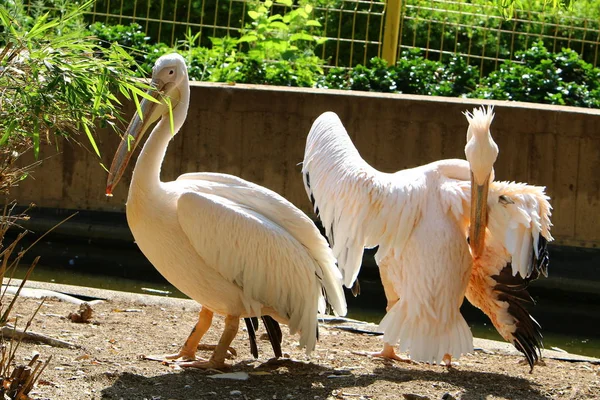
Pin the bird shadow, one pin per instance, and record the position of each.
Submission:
(473, 385)
(286, 378)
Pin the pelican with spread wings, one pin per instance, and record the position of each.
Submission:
(444, 230)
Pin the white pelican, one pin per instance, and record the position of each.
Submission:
(420, 219)
(237, 248)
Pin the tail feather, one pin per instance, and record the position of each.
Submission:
(424, 338)
(252, 326)
(274, 333)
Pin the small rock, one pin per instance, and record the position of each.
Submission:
(235, 393)
(83, 315)
(240, 376)
(448, 396)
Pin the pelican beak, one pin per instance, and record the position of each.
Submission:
(479, 215)
(148, 113)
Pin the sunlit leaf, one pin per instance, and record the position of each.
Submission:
(247, 38)
(301, 36)
(138, 108)
(279, 25)
(171, 121)
(90, 136)
(130, 140)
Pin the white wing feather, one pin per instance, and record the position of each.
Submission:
(283, 213)
(280, 275)
(518, 215)
(358, 205)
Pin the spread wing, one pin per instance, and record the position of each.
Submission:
(358, 205)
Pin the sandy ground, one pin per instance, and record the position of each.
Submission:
(106, 363)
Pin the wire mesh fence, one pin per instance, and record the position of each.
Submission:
(442, 28)
(355, 28)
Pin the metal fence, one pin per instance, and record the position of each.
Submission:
(357, 29)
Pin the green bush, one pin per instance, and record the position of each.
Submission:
(544, 77)
(413, 74)
(456, 29)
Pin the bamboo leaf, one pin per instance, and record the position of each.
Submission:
(36, 138)
(171, 121)
(138, 108)
(8, 131)
(89, 135)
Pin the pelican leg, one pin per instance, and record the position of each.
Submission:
(217, 360)
(231, 352)
(447, 361)
(387, 352)
(188, 351)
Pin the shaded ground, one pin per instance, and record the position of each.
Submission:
(107, 364)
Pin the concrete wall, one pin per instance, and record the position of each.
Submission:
(259, 133)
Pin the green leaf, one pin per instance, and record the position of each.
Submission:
(302, 13)
(138, 108)
(9, 129)
(247, 38)
(287, 3)
(86, 128)
(312, 22)
(130, 139)
(171, 122)
(301, 36)
(279, 25)
(36, 138)
(308, 8)
(253, 14)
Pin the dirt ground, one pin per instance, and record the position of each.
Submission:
(107, 364)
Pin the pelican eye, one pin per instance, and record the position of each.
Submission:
(171, 72)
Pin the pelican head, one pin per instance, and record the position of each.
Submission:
(481, 152)
(169, 86)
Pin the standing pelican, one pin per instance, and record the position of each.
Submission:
(421, 218)
(237, 248)
(509, 247)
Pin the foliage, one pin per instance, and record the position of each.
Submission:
(413, 74)
(129, 36)
(477, 28)
(53, 85)
(273, 49)
(447, 27)
(544, 77)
